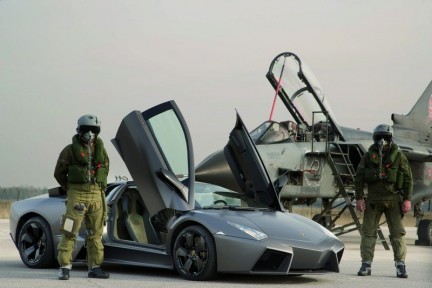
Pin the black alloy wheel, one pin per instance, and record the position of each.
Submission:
(194, 254)
(35, 244)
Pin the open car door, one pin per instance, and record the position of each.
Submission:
(248, 168)
(157, 150)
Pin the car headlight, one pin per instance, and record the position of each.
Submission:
(251, 232)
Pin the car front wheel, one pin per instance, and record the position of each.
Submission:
(195, 254)
(35, 244)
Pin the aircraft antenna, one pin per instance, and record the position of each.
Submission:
(277, 90)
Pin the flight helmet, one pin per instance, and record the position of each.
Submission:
(383, 131)
(88, 127)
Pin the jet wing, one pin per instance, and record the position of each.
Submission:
(157, 150)
(416, 152)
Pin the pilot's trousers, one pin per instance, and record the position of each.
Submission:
(92, 213)
(372, 215)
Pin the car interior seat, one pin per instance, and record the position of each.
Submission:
(120, 229)
(134, 217)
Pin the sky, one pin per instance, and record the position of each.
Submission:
(60, 59)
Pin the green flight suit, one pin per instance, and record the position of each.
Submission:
(85, 199)
(388, 185)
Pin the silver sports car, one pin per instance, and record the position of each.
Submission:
(165, 219)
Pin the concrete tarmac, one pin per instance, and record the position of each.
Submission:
(13, 273)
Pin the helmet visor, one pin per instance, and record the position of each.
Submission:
(386, 136)
(93, 129)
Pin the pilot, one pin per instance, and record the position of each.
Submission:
(82, 170)
(386, 172)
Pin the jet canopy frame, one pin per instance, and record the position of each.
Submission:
(300, 91)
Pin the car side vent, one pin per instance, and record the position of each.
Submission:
(333, 262)
(339, 255)
(273, 261)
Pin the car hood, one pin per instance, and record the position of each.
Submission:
(299, 228)
(276, 225)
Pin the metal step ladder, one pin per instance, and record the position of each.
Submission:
(344, 172)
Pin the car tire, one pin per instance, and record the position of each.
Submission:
(424, 230)
(194, 254)
(35, 244)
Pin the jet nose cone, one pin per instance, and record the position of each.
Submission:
(215, 170)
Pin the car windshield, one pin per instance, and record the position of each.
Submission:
(209, 196)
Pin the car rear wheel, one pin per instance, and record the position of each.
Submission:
(195, 254)
(35, 244)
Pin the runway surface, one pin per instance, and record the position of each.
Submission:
(13, 273)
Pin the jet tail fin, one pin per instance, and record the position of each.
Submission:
(423, 108)
(417, 124)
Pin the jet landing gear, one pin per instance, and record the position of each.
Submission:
(424, 232)
(424, 226)
(325, 218)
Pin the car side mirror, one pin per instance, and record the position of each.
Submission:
(171, 179)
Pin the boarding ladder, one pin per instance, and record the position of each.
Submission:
(339, 159)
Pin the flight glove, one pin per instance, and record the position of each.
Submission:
(360, 205)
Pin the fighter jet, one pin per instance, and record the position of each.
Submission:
(319, 157)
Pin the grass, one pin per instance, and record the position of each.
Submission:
(4, 209)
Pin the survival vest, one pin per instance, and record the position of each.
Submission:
(78, 170)
(390, 168)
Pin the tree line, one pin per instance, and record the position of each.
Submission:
(20, 192)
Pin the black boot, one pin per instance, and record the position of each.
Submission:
(365, 269)
(400, 270)
(63, 274)
(97, 272)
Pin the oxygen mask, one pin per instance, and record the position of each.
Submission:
(383, 143)
(88, 137)
(382, 140)
(89, 133)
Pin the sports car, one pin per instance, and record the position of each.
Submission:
(165, 219)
